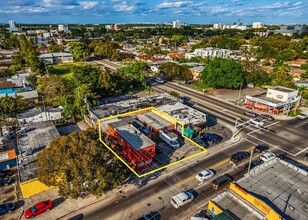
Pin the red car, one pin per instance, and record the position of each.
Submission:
(37, 209)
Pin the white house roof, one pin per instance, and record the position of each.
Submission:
(51, 55)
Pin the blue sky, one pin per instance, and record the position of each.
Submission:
(139, 11)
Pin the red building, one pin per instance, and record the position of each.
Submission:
(137, 148)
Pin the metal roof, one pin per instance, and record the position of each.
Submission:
(154, 120)
(282, 185)
(134, 137)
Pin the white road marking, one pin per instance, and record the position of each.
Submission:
(263, 128)
(301, 151)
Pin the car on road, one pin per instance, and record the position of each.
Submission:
(151, 216)
(211, 137)
(267, 117)
(182, 199)
(302, 115)
(221, 181)
(268, 156)
(260, 148)
(253, 164)
(4, 182)
(202, 143)
(257, 122)
(6, 208)
(38, 209)
(239, 156)
(204, 175)
(251, 114)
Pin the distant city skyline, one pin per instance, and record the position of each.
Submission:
(155, 11)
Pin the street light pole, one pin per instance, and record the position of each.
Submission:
(250, 159)
(239, 95)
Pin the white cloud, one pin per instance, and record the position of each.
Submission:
(88, 5)
(124, 7)
(175, 4)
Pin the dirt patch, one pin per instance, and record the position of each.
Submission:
(231, 95)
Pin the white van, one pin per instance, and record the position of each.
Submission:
(182, 199)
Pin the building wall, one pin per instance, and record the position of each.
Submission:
(282, 96)
(41, 117)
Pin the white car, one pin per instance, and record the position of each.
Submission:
(303, 115)
(256, 122)
(204, 175)
(268, 156)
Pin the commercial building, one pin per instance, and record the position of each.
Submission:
(12, 25)
(176, 24)
(210, 52)
(63, 27)
(289, 30)
(275, 100)
(134, 146)
(38, 115)
(53, 58)
(256, 25)
(274, 190)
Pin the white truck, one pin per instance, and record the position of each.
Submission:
(170, 138)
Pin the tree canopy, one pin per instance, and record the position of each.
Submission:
(10, 106)
(79, 162)
(223, 73)
(79, 50)
(175, 71)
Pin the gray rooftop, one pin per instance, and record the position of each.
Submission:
(38, 136)
(154, 120)
(284, 89)
(35, 111)
(50, 55)
(134, 137)
(262, 96)
(281, 185)
(229, 201)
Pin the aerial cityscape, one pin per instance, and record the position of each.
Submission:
(153, 110)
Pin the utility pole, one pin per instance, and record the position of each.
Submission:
(250, 159)
(44, 107)
(239, 95)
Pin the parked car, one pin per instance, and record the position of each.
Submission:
(160, 80)
(239, 156)
(182, 199)
(211, 137)
(267, 117)
(221, 181)
(151, 216)
(302, 115)
(202, 143)
(268, 156)
(7, 181)
(38, 209)
(257, 122)
(253, 164)
(251, 114)
(5, 173)
(204, 175)
(260, 148)
(6, 208)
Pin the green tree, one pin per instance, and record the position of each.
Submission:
(87, 74)
(281, 77)
(178, 40)
(258, 77)
(32, 79)
(10, 106)
(170, 69)
(79, 50)
(53, 47)
(136, 71)
(223, 73)
(10, 42)
(79, 162)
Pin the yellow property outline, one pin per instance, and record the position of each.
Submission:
(149, 109)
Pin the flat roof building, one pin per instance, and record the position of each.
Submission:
(154, 121)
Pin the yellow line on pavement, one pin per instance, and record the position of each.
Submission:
(193, 176)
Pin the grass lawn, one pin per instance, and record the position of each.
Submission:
(64, 69)
(200, 86)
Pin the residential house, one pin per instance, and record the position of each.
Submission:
(210, 52)
(53, 58)
(296, 63)
(271, 61)
(38, 115)
(175, 55)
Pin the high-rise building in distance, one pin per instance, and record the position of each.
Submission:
(12, 24)
(256, 25)
(176, 24)
(63, 27)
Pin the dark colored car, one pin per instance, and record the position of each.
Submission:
(239, 156)
(5, 173)
(158, 150)
(202, 143)
(221, 181)
(6, 181)
(260, 148)
(251, 114)
(151, 216)
(253, 164)
(268, 117)
(38, 209)
(211, 137)
(6, 208)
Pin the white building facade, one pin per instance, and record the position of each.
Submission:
(63, 27)
(256, 25)
(210, 52)
(176, 24)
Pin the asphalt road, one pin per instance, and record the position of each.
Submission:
(282, 136)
